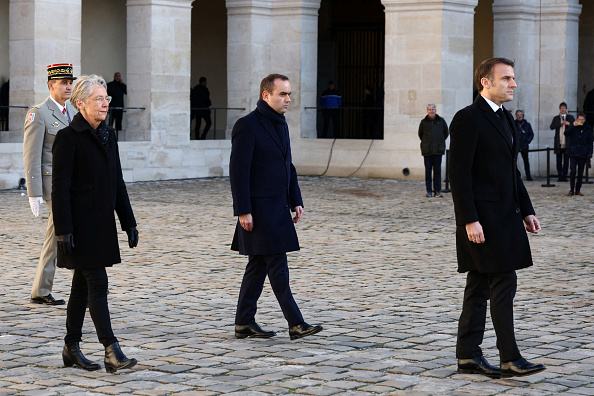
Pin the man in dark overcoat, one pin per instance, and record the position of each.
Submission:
(265, 189)
(492, 209)
(560, 123)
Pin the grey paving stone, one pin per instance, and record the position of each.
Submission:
(377, 270)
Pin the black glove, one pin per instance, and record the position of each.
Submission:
(132, 237)
(65, 244)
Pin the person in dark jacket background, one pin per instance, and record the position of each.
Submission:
(116, 89)
(200, 99)
(579, 150)
(525, 135)
(87, 187)
(265, 189)
(433, 132)
(559, 124)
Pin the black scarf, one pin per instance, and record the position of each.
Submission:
(278, 121)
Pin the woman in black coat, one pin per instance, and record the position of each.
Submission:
(87, 187)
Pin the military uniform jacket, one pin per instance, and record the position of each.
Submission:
(487, 187)
(42, 123)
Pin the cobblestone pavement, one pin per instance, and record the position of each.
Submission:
(377, 269)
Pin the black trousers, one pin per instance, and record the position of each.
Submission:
(580, 164)
(562, 163)
(433, 165)
(202, 114)
(116, 116)
(89, 286)
(500, 288)
(334, 116)
(277, 269)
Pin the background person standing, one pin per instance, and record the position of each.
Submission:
(433, 132)
(525, 135)
(559, 124)
(579, 150)
(42, 123)
(116, 89)
(200, 101)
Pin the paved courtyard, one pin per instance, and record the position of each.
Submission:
(377, 269)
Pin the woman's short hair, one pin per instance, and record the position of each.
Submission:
(83, 87)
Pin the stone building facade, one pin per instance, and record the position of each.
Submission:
(162, 47)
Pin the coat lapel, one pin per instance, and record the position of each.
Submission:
(495, 121)
(56, 113)
(270, 130)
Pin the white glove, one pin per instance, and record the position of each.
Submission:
(35, 202)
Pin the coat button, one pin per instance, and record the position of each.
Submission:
(517, 210)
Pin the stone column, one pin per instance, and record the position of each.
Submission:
(41, 33)
(294, 52)
(158, 63)
(429, 47)
(514, 37)
(249, 34)
(558, 56)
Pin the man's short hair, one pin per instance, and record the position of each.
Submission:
(201, 80)
(520, 111)
(267, 83)
(581, 115)
(562, 104)
(432, 105)
(485, 70)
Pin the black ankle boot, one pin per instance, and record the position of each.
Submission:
(116, 360)
(72, 356)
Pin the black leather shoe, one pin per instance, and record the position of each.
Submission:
(47, 300)
(478, 365)
(303, 329)
(116, 360)
(252, 330)
(520, 367)
(72, 356)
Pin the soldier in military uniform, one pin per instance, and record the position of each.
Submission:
(42, 123)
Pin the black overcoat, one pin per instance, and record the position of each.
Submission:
(487, 187)
(556, 125)
(87, 187)
(263, 183)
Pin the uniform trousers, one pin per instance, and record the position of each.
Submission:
(46, 269)
(277, 269)
(89, 285)
(500, 288)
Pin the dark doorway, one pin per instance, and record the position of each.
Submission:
(351, 55)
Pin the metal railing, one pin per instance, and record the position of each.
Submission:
(214, 121)
(354, 122)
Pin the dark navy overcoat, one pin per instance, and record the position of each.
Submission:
(263, 183)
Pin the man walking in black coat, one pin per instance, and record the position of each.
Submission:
(579, 150)
(264, 188)
(492, 207)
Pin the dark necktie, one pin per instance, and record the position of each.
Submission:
(505, 124)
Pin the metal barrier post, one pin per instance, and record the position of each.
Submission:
(548, 169)
(214, 132)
